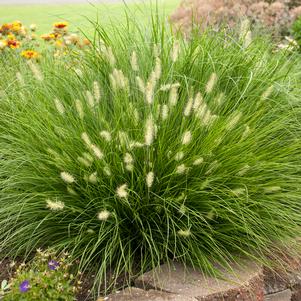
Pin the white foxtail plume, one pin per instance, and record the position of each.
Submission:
(59, 106)
(20, 79)
(90, 99)
(187, 137)
(188, 107)
(179, 156)
(244, 28)
(181, 169)
(128, 158)
(183, 209)
(202, 110)
(149, 92)
(79, 108)
(184, 233)
(175, 51)
(134, 61)
(35, 71)
(135, 114)
(103, 215)
(97, 152)
(158, 110)
(246, 132)
(197, 102)
(173, 96)
(107, 171)
(88, 157)
(55, 205)
(248, 39)
(243, 170)
(272, 189)
(123, 138)
(150, 179)
(215, 164)
(219, 99)
(156, 50)
(118, 80)
(106, 135)
(141, 84)
(129, 167)
(67, 177)
(164, 112)
(84, 161)
(208, 118)
(149, 131)
(233, 120)
(135, 144)
(267, 93)
(93, 178)
(167, 87)
(96, 91)
(78, 72)
(86, 139)
(122, 191)
(198, 161)
(211, 83)
(71, 191)
(109, 55)
(239, 191)
(158, 69)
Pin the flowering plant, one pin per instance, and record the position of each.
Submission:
(152, 147)
(47, 277)
(15, 35)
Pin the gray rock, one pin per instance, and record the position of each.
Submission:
(136, 294)
(281, 296)
(243, 283)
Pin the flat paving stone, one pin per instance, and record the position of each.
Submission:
(244, 283)
(136, 294)
(281, 296)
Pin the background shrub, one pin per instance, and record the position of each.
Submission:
(149, 148)
(275, 16)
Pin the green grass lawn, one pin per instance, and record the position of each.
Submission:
(79, 14)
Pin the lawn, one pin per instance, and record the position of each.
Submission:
(79, 14)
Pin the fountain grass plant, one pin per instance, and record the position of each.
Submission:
(150, 147)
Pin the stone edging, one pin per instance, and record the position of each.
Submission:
(246, 282)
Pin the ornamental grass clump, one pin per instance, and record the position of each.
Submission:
(150, 148)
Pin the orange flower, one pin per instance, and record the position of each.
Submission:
(86, 42)
(30, 54)
(60, 25)
(48, 37)
(5, 28)
(13, 44)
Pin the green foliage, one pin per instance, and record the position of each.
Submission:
(47, 277)
(296, 31)
(150, 147)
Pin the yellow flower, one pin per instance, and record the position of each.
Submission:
(3, 44)
(16, 26)
(59, 43)
(30, 54)
(11, 37)
(60, 25)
